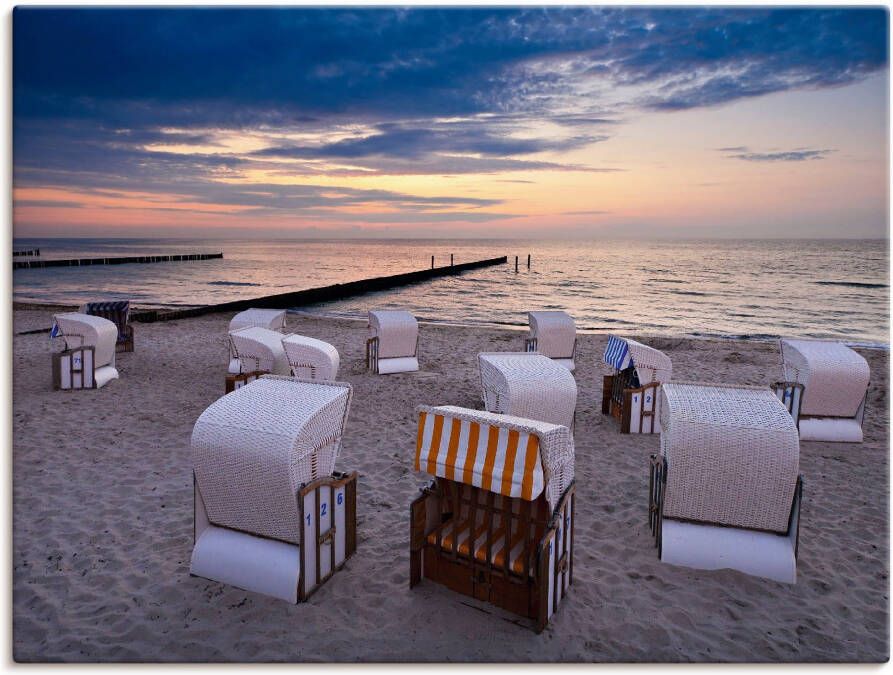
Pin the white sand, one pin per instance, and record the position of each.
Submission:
(103, 523)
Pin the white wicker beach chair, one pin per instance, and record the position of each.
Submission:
(271, 515)
(835, 386)
(725, 488)
(88, 358)
(272, 319)
(393, 343)
(528, 385)
(497, 522)
(632, 392)
(553, 334)
(311, 358)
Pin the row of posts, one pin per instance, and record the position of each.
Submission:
(516, 262)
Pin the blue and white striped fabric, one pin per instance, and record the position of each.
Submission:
(617, 353)
(54, 332)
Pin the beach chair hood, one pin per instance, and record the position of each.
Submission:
(397, 332)
(84, 330)
(293, 439)
(260, 349)
(651, 365)
(507, 455)
(555, 333)
(834, 377)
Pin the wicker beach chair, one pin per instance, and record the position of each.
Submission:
(553, 334)
(259, 351)
(393, 343)
(311, 358)
(631, 392)
(118, 312)
(725, 489)
(528, 385)
(834, 386)
(497, 521)
(271, 514)
(272, 319)
(87, 360)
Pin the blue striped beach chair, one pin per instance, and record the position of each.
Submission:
(118, 312)
(630, 393)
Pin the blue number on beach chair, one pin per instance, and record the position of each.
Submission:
(308, 520)
(340, 498)
(322, 510)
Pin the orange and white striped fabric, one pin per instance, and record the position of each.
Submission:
(492, 457)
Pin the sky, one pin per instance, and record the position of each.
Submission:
(579, 122)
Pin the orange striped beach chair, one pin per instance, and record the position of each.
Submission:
(496, 522)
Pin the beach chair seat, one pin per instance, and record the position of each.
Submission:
(311, 358)
(631, 393)
(528, 385)
(393, 342)
(271, 319)
(834, 381)
(259, 351)
(496, 522)
(553, 334)
(271, 513)
(725, 489)
(87, 360)
(118, 312)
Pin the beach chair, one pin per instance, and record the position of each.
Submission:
(259, 351)
(88, 358)
(311, 358)
(271, 513)
(118, 312)
(393, 343)
(271, 319)
(528, 385)
(833, 380)
(725, 489)
(497, 521)
(631, 392)
(553, 334)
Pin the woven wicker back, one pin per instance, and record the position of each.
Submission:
(260, 349)
(116, 311)
(311, 358)
(555, 333)
(254, 448)
(397, 333)
(80, 330)
(732, 454)
(651, 364)
(834, 377)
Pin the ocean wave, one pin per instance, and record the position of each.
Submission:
(852, 284)
(232, 283)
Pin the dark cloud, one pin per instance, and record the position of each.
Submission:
(796, 155)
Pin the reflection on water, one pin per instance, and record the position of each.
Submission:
(758, 288)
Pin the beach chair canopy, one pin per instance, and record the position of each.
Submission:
(834, 377)
(309, 357)
(259, 349)
(85, 330)
(253, 449)
(397, 332)
(555, 333)
(274, 319)
(733, 455)
(651, 365)
(116, 311)
(528, 385)
(504, 454)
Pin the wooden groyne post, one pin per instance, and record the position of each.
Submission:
(516, 264)
(30, 251)
(528, 261)
(78, 262)
(323, 294)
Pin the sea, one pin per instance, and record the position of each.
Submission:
(745, 289)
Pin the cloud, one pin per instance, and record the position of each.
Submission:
(584, 213)
(797, 155)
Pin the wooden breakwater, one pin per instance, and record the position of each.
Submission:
(30, 251)
(323, 294)
(123, 260)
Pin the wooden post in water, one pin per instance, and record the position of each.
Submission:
(516, 264)
(528, 261)
(432, 262)
(451, 259)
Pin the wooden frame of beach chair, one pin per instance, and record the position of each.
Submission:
(328, 511)
(791, 394)
(631, 394)
(118, 312)
(239, 380)
(505, 534)
(532, 585)
(74, 368)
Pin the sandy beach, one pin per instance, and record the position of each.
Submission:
(102, 531)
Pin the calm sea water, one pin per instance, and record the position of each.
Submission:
(751, 288)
